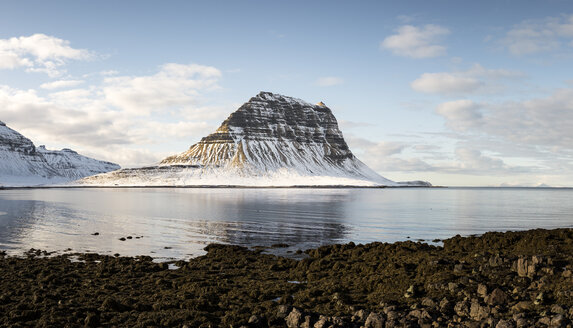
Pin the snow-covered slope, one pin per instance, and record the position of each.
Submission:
(23, 164)
(271, 140)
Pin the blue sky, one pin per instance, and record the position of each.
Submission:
(453, 92)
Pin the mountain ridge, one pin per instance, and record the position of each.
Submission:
(24, 164)
(271, 140)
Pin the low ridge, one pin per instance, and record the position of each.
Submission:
(24, 164)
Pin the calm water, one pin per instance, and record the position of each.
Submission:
(178, 223)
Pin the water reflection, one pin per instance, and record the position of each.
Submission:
(177, 223)
(169, 222)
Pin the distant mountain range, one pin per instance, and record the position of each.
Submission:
(24, 164)
(271, 140)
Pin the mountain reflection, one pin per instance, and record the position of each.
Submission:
(16, 217)
(251, 221)
(170, 222)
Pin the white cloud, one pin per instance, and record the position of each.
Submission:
(38, 53)
(60, 84)
(460, 114)
(445, 83)
(416, 42)
(102, 123)
(539, 35)
(542, 122)
(473, 160)
(174, 86)
(329, 81)
(476, 79)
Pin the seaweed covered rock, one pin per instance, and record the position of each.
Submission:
(469, 282)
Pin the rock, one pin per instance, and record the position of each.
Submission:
(322, 322)
(479, 312)
(557, 309)
(411, 291)
(453, 287)
(255, 321)
(505, 324)
(497, 297)
(522, 306)
(283, 310)
(446, 306)
(91, 320)
(420, 314)
(428, 302)
(558, 321)
(462, 308)
(294, 319)
(525, 267)
(482, 290)
(374, 320)
(544, 321)
(540, 299)
(522, 322)
(495, 261)
(360, 316)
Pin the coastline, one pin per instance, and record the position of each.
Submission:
(511, 279)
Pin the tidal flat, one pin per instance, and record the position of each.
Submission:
(511, 279)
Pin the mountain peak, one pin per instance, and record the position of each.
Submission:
(271, 140)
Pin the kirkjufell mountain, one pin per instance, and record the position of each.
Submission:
(271, 140)
(24, 164)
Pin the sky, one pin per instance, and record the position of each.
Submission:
(457, 93)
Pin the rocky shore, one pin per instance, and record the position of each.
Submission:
(512, 279)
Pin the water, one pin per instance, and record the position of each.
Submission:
(177, 223)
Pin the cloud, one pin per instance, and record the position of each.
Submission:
(99, 121)
(60, 84)
(382, 155)
(329, 81)
(39, 53)
(445, 83)
(476, 79)
(174, 86)
(541, 122)
(416, 42)
(473, 160)
(460, 115)
(539, 35)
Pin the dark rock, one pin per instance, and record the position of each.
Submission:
(558, 320)
(482, 290)
(294, 319)
(479, 312)
(497, 297)
(505, 324)
(374, 320)
(91, 320)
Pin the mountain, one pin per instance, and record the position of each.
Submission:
(271, 140)
(23, 164)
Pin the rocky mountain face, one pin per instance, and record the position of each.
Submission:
(22, 163)
(271, 140)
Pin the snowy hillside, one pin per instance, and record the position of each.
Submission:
(271, 140)
(23, 164)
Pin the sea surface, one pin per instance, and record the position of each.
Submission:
(177, 223)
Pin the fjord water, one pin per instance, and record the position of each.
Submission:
(178, 222)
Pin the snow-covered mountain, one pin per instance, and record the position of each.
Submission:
(271, 140)
(23, 164)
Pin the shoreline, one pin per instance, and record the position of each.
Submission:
(509, 279)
